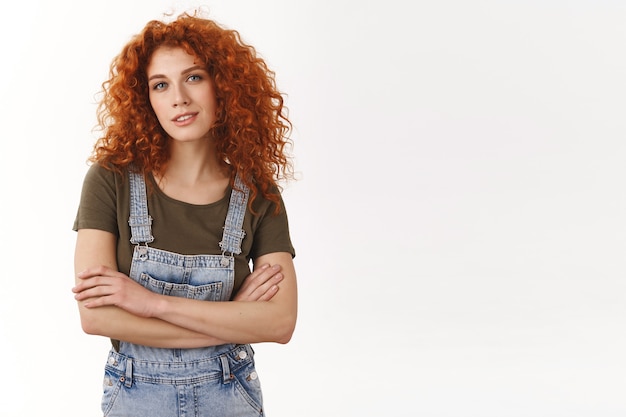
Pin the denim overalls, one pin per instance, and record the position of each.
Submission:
(154, 382)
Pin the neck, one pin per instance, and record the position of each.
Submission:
(194, 162)
(194, 174)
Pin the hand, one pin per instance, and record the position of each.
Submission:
(260, 285)
(102, 286)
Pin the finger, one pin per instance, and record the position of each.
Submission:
(86, 284)
(264, 275)
(269, 294)
(256, 278)
(260, 274)
(99, 302)
(98, 291)
(266, 287)
(258, 282)
(93, 281)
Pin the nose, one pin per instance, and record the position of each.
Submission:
(182, 102)
(180, 98)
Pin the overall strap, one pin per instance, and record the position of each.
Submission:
(233, 228)
(140, 221)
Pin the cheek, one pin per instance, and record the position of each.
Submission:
(208, 99)
(158, 108)
(211, 104)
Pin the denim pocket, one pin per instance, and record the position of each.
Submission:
(111, 385)
(206, 292)
(247, 383)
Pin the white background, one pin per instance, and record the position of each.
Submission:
(459, 218)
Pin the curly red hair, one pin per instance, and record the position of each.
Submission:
(251, 128)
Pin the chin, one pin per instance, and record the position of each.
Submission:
(188, 138)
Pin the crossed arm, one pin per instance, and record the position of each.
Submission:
(113, 305)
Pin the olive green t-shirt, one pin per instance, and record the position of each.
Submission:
(179, 227)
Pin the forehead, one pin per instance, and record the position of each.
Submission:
(170, 60)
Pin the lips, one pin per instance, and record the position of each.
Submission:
(184, 118)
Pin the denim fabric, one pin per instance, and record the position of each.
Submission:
(212, 381)
(222, 385)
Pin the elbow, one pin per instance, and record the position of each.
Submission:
(89, 322)
(285, 330)
(284, 339)
(90, 326)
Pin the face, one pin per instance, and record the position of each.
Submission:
(182, 94)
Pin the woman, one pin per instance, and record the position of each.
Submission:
(181, 196)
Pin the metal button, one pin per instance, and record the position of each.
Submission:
(253, 375)
(242, 355)
(142, 251)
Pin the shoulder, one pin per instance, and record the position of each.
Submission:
(100, 172)
(98, 176)
(104, 186)
(99, 200)
(267, 214)
(270, 227)
(268, 205)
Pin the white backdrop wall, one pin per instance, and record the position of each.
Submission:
(459, 217)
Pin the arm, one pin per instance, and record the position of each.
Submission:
(240, 322)
(96, 247)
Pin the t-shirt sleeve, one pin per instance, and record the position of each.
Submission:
(272, 234)
(98, 201)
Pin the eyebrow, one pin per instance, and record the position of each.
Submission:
(187, 71)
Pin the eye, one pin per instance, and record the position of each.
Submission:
(159, 86)
(194, 77)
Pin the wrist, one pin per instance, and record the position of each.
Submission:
(160, 306)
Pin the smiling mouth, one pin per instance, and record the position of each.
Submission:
(183, 118)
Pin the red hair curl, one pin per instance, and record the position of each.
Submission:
(251, 129)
